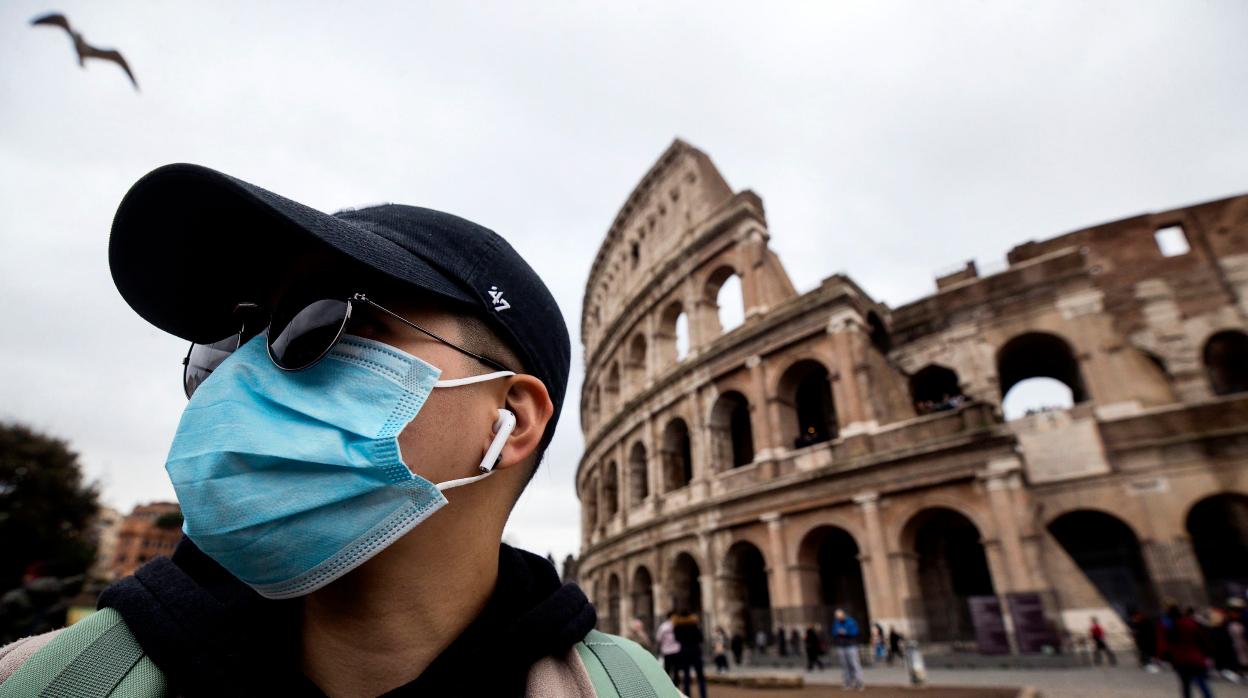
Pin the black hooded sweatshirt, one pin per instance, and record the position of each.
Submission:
(212, 635)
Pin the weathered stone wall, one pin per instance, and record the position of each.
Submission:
(848, 484)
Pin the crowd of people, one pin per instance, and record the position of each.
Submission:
(1190, 643)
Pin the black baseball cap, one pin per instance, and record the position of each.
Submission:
(189, 243)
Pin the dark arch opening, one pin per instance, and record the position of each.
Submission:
(952, 568)
(638, 477)
(591, 502)
(747, 599)
(611, 491)
(611, 623)
(935, 388)
(1226, 360)
(1039, 355)
(643, 599)
(686, 586)
(832, 574)
(731, 431)
(1108, 553)
(880, 339)
(811, 412)
(677, 455)
(1218, 526)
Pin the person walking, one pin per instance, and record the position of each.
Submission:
(636, 632)
(1098, 639)
(813, 649)
(782, 642)
(894, 644)
(845, 637)
(738, 647)
(1144, 635)
(878, 645)
(795, 641)
(719, 648)
(1183, 642)
(689, 635)
(669, 646)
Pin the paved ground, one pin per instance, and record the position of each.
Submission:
(872, 692)
(1088, 682)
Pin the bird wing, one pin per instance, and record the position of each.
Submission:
(53, 20)
(115, 57)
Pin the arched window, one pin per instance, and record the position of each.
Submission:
(672, 340)
(934, 388)
(951, 569)
(1218, 526)
(638, 475)
(1030, 368)
(613, 387)
(1108, 553)
(880, 339)
(612, 621)
(610, 491)
(809, 414)
(643, 599)
(731, 432)
(636, 361)
(684, 585)
(1226, 360)
(677, 455)
(829, 570)
(747, 598)
(723, 292)
(590, 500)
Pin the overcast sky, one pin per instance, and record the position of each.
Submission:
(890, 141)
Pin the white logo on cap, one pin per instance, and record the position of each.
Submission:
(499, 302)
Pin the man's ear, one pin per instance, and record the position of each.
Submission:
(528, 400)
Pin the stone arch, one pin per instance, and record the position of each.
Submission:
(684, 583)
(1218, 527)
(732, 435)
(808, 412)
(610, 491)
(1107, 551)
(641, 591)
(611, 623)
(878, 332)
(677, 455)
(612, 387)
(728, 311)
(747, 599)
(638, 474)
(1225, 357)
(934, 388)
(830, 575)
(591, 501)
(666, 341)
(635, 361)
(948, 568)
(1037, 355)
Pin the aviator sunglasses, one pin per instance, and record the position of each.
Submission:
(296, 340)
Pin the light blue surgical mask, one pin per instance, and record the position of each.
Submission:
(290, 480)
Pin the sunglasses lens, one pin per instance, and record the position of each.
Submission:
(203, 359)
(308, 335)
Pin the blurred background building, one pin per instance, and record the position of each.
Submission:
(830, 451)
(150, 530)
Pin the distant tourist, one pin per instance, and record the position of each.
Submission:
(1098, 639)
(760, 642)
(845, 637)
(719, 649)
(669, 647)
(878, 646)
(689, 635)
(636, 631)
(1144, 634)
(738, 647)
(782, 642)
(894, 644)
(813, 649)
(1184, 643)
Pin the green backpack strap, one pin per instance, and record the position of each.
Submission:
(96, 657)
(621, 668)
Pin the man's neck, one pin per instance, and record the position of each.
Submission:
(383, 624)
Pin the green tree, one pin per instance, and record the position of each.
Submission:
(45, 506)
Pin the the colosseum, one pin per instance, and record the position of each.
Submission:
(831, 451)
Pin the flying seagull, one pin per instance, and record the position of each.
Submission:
(84, 49)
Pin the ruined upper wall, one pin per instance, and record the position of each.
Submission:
(682, 189)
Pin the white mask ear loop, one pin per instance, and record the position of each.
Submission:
(503, 427)
(456, 382)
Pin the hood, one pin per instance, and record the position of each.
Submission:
(213, 635)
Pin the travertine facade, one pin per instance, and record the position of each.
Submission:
(832, 451)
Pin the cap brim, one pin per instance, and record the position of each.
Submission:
(189, 243)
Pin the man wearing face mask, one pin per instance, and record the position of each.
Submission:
(369, 394)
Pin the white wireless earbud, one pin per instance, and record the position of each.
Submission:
(503, 426)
